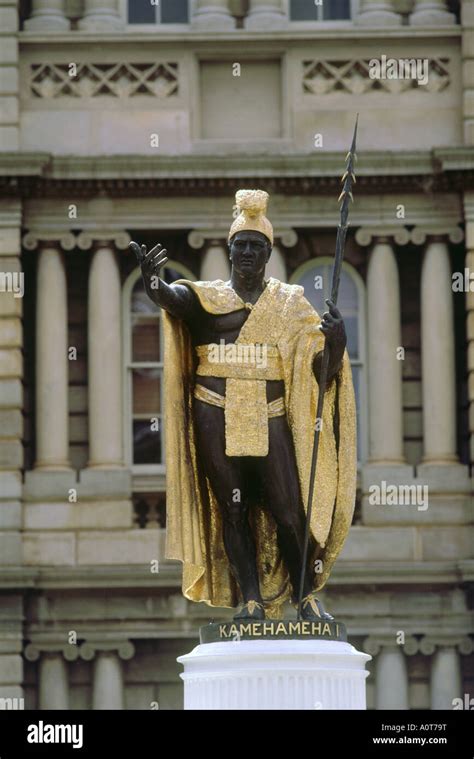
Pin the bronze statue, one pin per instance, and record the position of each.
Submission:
(242, 365)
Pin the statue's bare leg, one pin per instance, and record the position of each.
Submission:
(230, 483)
(282, 498)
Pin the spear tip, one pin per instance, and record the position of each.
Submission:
(354, 138)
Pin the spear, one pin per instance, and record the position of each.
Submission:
(347, 180)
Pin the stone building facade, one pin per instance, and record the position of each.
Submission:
(124, 121)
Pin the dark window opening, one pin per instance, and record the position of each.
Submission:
(158, 11)
(329, 10)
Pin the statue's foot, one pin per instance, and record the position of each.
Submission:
(251, 610)
(312, 609)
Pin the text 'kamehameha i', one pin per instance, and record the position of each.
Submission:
(273, 629)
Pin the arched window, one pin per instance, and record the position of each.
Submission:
(315, 277)
(144, 443)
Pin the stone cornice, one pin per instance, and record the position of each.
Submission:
(23, 164)
(346, 573)
(39, 174)
(271, 38)
(455, 158)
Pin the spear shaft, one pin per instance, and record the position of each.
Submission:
(348, 180)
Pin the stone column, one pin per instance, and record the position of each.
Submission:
(446, 681)
(437, 355)
(378, 13)
(52, 424)
(215, 262)
(53, 682)
(266, 14)
(391, 680)
(101, 16)
(105, 359)
(276, 266)
(107, 689)
(213, 15)
(47, 16)
(384, 369)
(431, 13)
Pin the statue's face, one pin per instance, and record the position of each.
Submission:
(249, 252)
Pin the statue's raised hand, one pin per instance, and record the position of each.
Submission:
(332, 327)
(151, 264)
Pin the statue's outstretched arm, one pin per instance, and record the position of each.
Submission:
(177, 300)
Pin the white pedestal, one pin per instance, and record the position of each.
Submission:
(274, 674)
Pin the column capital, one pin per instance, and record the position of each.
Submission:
(87, 650)
(373, 644)
(402, 236)
(428, 644)
(68, 240)
(366, 235)
(36, 649)
(124, 648)
(117, 238)
(35, 239)
(420, 234)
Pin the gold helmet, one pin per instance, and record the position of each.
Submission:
(252, 205)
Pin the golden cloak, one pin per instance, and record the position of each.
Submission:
(283, 317)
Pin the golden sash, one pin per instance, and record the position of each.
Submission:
(245, 403)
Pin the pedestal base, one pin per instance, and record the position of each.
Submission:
(274, 674)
